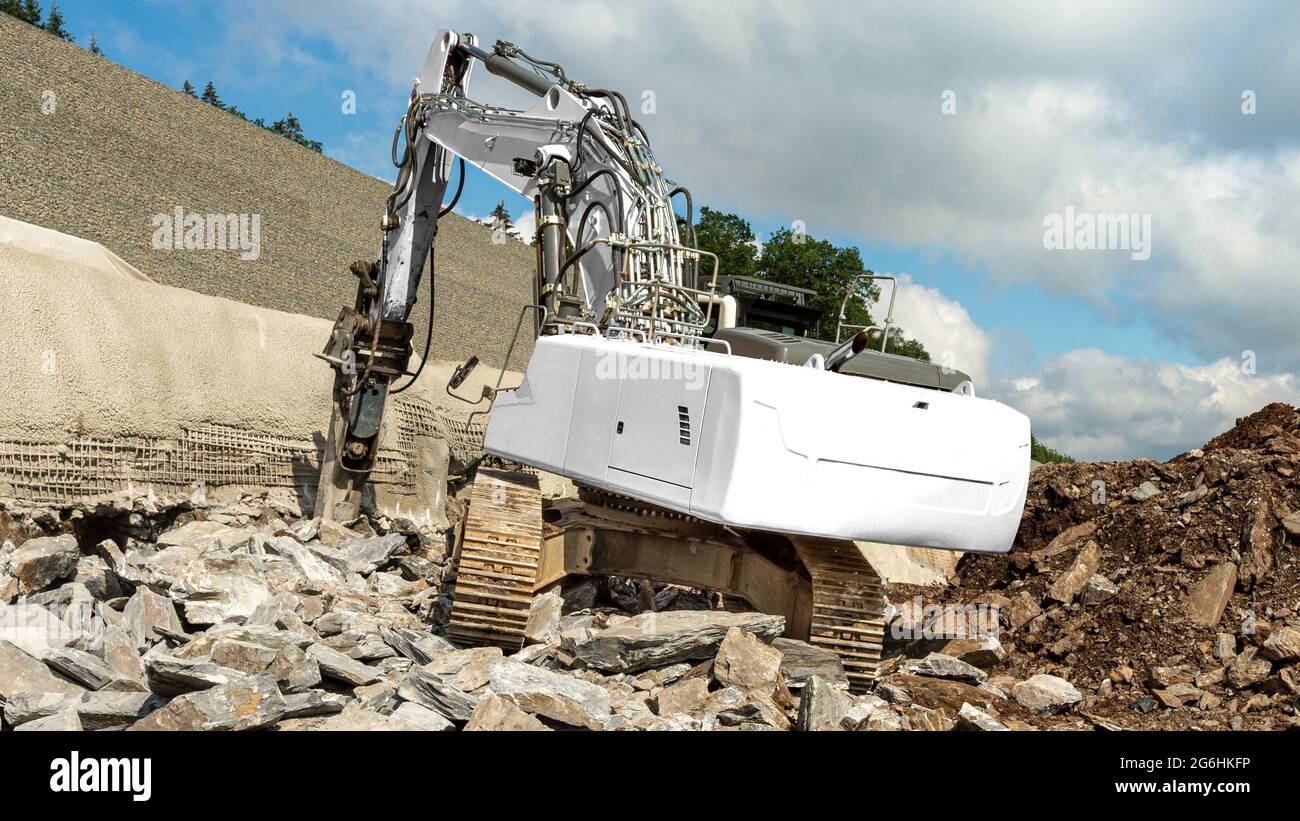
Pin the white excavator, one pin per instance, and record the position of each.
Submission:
(742, 460)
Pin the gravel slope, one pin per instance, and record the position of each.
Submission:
(120, 148)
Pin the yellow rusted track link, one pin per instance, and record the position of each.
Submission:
(497, 560)
(505, 553)
(848, 606)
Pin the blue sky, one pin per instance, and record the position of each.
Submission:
(1073, 104)
(171, 42)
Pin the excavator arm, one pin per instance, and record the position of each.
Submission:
(588, 167)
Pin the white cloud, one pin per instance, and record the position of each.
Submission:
(1095, 405)
(526, 224)
(1091, 404)
(942, 325)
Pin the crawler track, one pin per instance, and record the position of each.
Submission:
(848, 606)
(497, 560)
(499, 557)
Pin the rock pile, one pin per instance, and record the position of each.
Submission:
(151, 614)
(1138, 594)
(1166, 593)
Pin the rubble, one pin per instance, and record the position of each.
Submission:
(1046, 694)
(65, 722)
(683, 697)
(745, 662)
(1283, 645)
(1208, 598)
(1070, 583)
(801, 660)
(1179, 609)
(421, 718)
(23, 673)
(1190, 616)
(1099, 589)
(40, 562)
(96, 711)
(171, 676)
(84, 668)
(148, 615)
(500, 713)
(247, 703)
(564, 699)
(429, 689)
(340, 667)
(970, 717)
(543, 624)
(938, 665)
(659, 639)
(822, 706)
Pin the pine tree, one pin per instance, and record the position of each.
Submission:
(54, 24)
(188, 88)
(94, 47)
(288, 127)
(210, 95)
(31, 12)
(501, 218)
(13, 8)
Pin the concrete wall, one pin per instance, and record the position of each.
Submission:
(113, 381)
(120, 148)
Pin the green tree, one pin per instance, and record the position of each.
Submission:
(54, 24)
(29, 11)
(210, 95)
(1042, 453)
(797, 259)
(13, 8)
(501, 218)
(288, 127)
(731, 238)
(800, 260)
(94, 47)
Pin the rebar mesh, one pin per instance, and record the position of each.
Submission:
(83, 467)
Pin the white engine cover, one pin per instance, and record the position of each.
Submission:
(768, 446)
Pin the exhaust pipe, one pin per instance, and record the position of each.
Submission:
(843, 353)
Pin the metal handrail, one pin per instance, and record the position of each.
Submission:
(622, 329)
(889, 315)
(704, 339)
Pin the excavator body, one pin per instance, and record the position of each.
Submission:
(760, 445)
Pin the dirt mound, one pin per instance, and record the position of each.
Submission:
(1167, 592)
